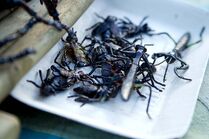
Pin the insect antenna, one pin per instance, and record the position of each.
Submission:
(33, 83)
(148, 102)
(166, 70)
(200, 40)
(99, 16)
(140, 24)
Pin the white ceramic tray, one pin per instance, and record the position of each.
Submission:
(171, 109)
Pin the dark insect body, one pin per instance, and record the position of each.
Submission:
(106, 29)
(66, 75)
(109, 76)
(70, 75)
(130, 30)
(47, 86)
(74, 50)
(92, 93)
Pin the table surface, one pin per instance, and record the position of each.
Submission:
(39, 124)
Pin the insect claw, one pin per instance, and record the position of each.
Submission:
(164, 80)
(82, 104)
(149, 116)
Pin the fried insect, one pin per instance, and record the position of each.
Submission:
(176, 54)
(130, 30)
(74, 50)
(71, 76)
(89, 93)
(109, 75)
(48, 86)
(107, 29)
(35, 18)
(92, 93)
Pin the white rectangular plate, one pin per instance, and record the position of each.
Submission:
(171, 109)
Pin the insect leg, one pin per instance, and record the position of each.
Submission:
(40, 75)
(129, 21)
(148, 102)
(140, 94)
(184, 66)
(165, 73)
(92, 71)
(47, 74)
(86, 38)
(93, 26)
(34, 83)
(150, 71)
(137, 39)
(56, 59)
(160, 62)
(167, 34)
(99, 16)
(181, 77)
(200, 40)
(142, 21)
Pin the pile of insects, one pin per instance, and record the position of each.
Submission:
(117, 64)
